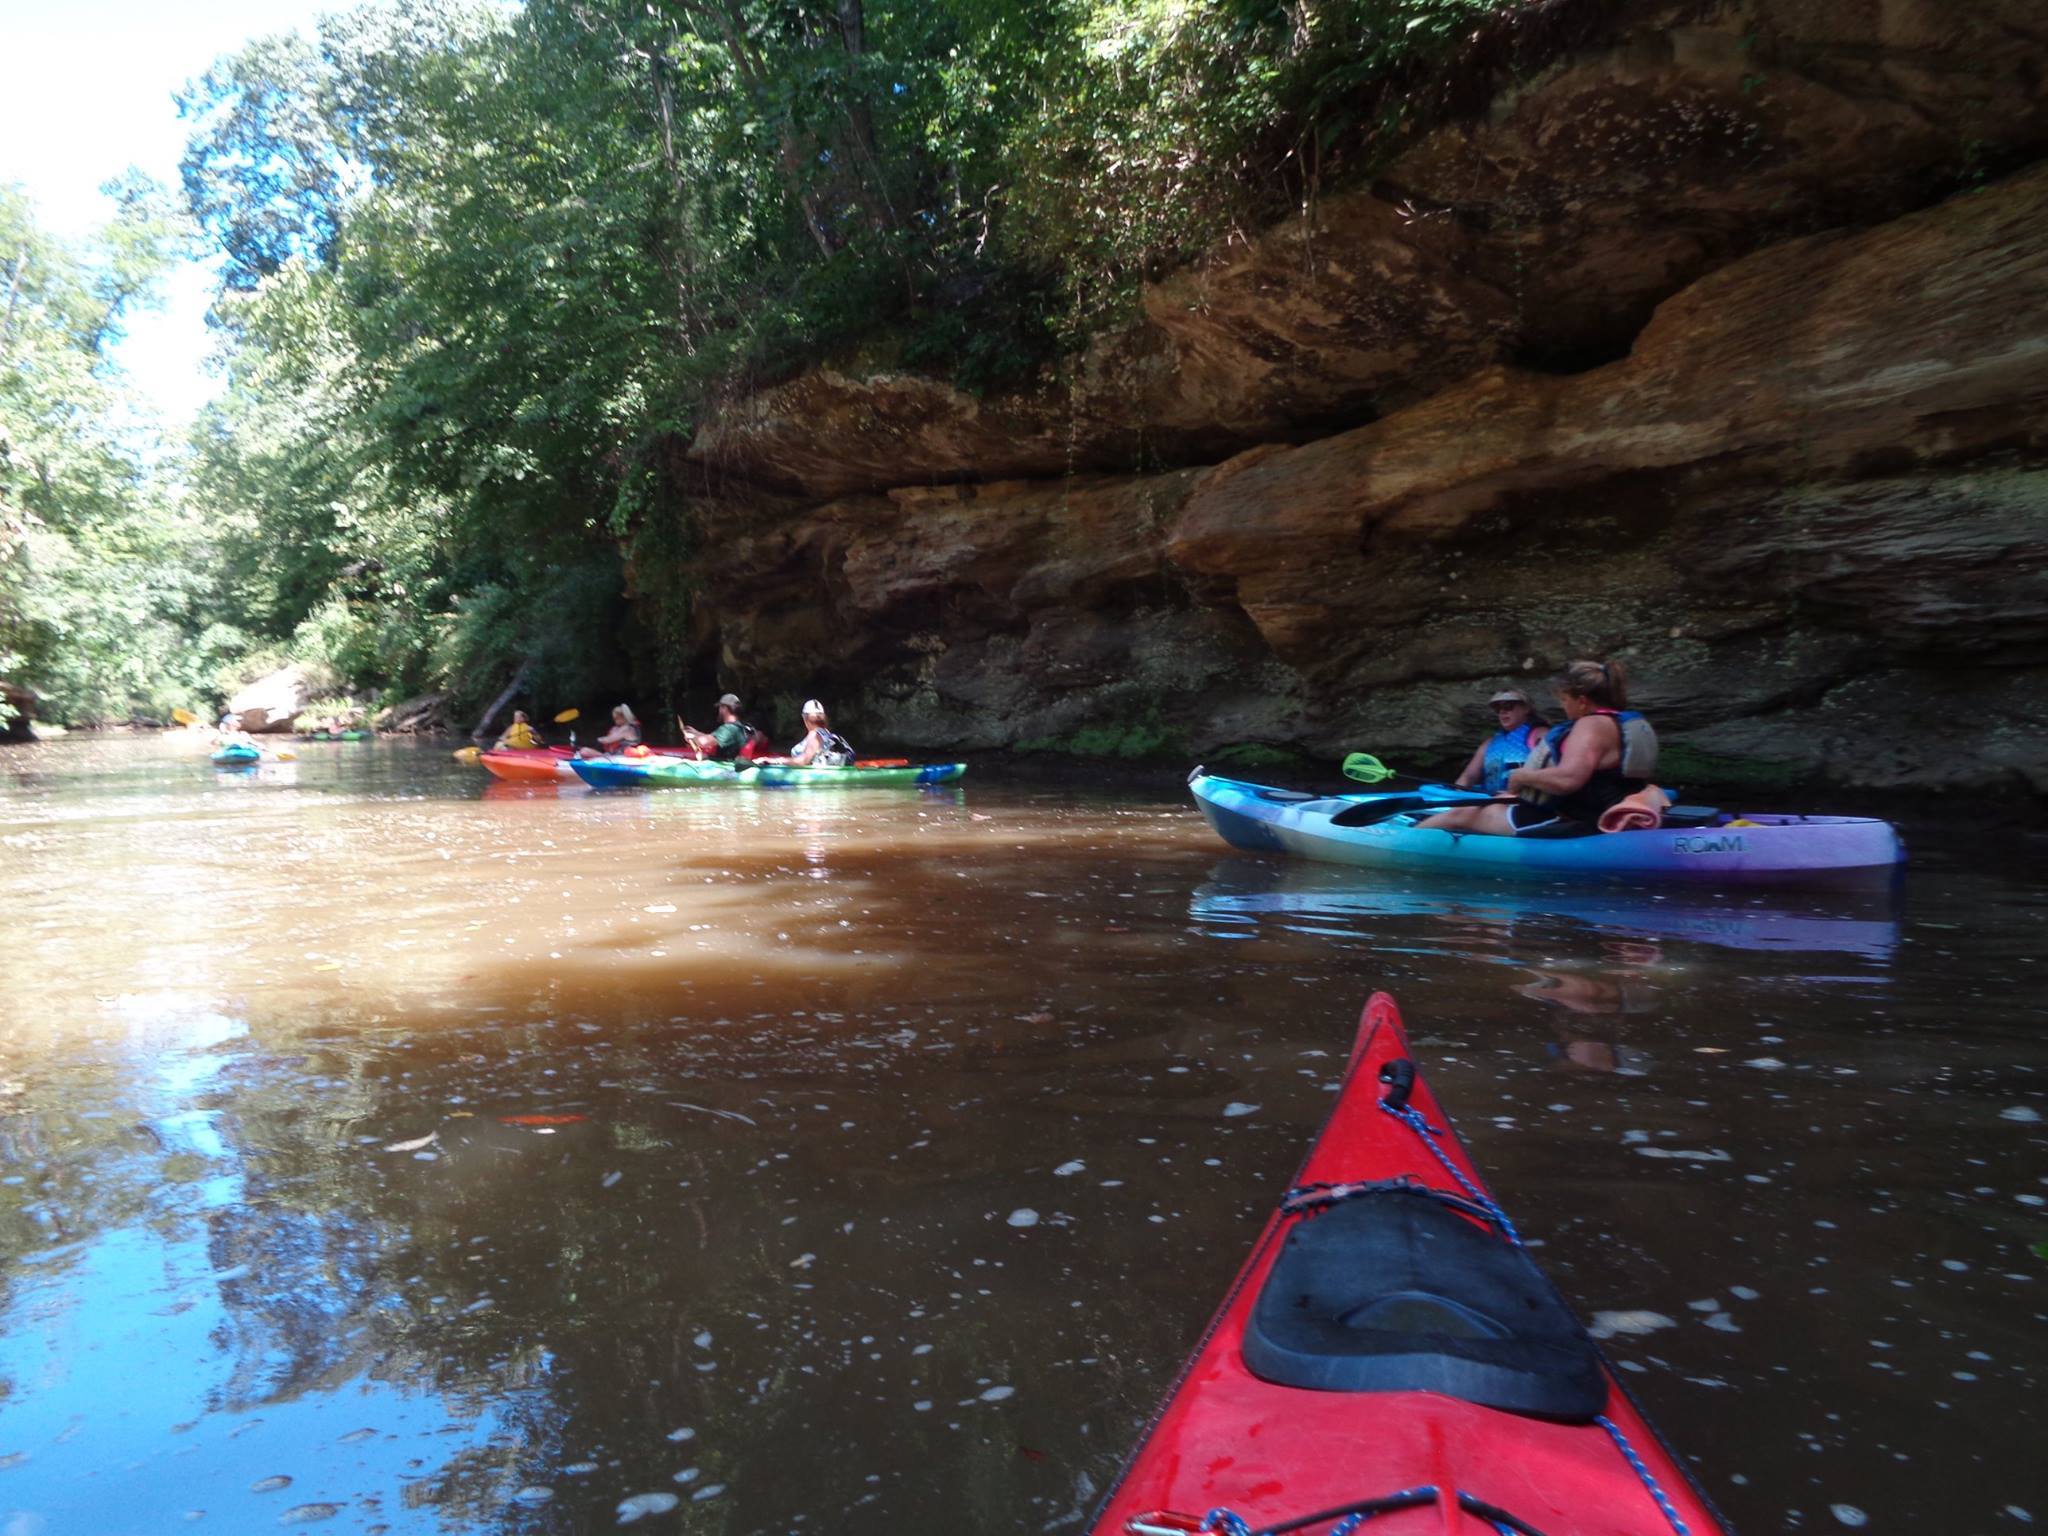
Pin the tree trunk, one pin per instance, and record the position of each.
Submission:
(680, 263)
(13, 294)
(483, 726)
(732, 33)
(794, 168)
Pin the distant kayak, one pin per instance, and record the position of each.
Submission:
(1390, 1346)
(236, 754)
(529, 765)
(669, 773)
(1712, 849)
(550, 765)
(855, 775)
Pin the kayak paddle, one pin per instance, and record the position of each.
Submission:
(184, 717)
(1367, 769)
(567, 715)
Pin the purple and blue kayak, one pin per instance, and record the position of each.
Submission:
(1380, 831)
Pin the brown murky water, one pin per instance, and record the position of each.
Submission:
(899, 1144)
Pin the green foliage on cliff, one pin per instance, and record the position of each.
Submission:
(1161, 125)
(485, 270)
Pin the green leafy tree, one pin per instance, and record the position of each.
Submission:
(488, 269)
(101, 567)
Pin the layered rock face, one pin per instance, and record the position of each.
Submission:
(1721, 347)
(271, 701)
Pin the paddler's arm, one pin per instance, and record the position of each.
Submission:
(1580, 759)
(1474, 770)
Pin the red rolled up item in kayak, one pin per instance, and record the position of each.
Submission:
(1642, 811)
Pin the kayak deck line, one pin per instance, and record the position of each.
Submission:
(1390, 1327)
(1349, 1517)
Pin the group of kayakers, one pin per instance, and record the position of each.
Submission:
(1547, 777)
(1550, 777)
(732, 739)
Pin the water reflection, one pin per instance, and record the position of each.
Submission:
(1594, 1006)
(1241, 894)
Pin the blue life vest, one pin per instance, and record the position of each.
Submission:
(1607, 785)
(1506, 752)
(1638, 743)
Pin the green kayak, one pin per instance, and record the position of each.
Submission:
(670, 772)
(779, 776)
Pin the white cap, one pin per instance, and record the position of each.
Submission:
(813, 707)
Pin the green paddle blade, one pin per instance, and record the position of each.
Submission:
(1367, 769)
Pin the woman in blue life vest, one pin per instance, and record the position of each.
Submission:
(1518, 729)
(1602, 753)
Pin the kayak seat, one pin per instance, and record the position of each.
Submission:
(1558, 829)
(1691, 815)
(1284, 796)
(1674, 816)
(1390, 1291)
(1366, 813)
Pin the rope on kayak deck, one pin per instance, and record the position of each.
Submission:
(1395, 1103)
(1427, 1134)
(1349, 1517)
(1322, 1194)
(1642, 1471)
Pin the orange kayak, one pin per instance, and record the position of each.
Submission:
(530, 765)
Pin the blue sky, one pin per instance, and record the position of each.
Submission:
(89, 86)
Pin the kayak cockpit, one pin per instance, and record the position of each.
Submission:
(1394, 1290)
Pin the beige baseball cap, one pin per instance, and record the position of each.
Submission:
(1511, 696)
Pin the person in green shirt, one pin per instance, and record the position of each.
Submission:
(730, 737)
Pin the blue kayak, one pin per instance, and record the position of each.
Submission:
(1379, 830)
(236, 753)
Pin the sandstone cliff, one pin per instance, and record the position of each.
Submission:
(1720, 344)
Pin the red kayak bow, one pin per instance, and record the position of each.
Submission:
(1390, 1355)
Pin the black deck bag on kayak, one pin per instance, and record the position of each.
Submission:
(1393, 1291)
